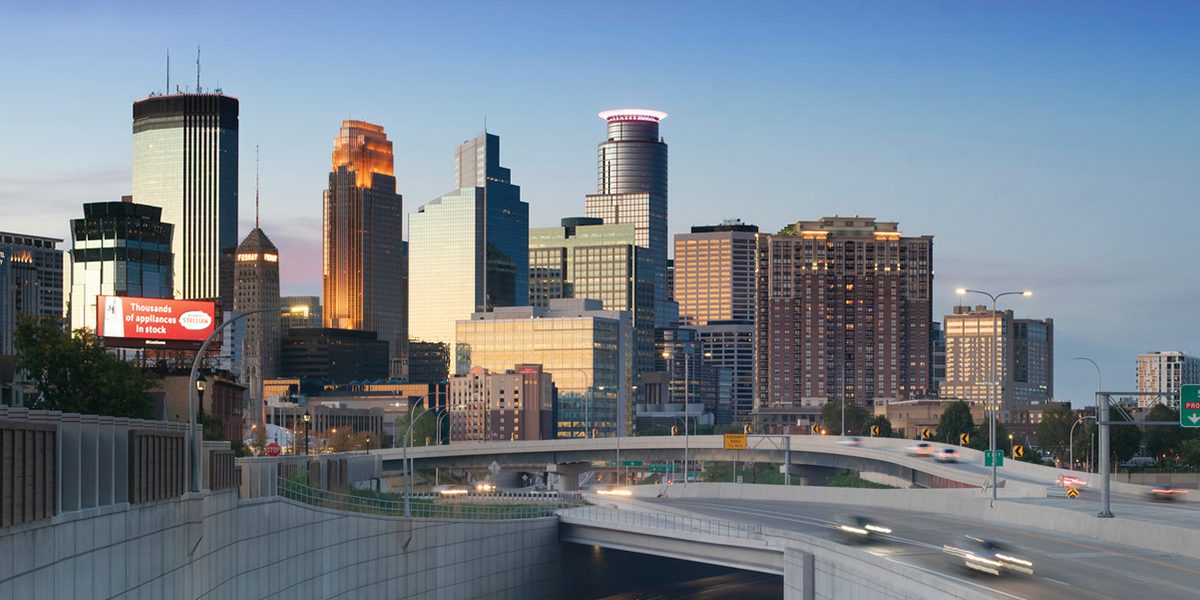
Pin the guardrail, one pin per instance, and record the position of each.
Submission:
(471, 508)
(643, 521)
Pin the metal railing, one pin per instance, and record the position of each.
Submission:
(469, 508)
(641, 521)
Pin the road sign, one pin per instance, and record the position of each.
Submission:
(658, 468)
(926, 433)
(1018, 451)
(747, 429)
(604, 463)
(964, 439)
(874, 431)
(631, 463)
(989, 456)
(273, 449)
(494, 467)
(739, 478)
(735, 441)
(1072, 492)
(1189, 405)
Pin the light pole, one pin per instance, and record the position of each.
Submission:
(441, 414)
(994, 399)
(407, 470)
(1071, 440)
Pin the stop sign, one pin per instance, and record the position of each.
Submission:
(273, 449)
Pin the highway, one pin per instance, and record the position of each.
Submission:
(1064, 566)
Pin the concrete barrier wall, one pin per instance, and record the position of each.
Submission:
(214, 546)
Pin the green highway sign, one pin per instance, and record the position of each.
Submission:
(1189, 405)
(658, 468)
(631, 463)
(989, 456)
(604, 463)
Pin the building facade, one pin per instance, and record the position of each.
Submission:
(715, 273)
(428, 362)
(729, 346)
(299, 311)
(364, 266)
(1164, 372)
(588, 351)
(31, 282)
(185, 161)
(1033, 358)
(632, 188)
(333, 355)
(256, 288)
(843, 313)
(468, 249)
(515, 405)
(1019, 351)
(117, 249)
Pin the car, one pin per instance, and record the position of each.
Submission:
(946, 455)
(1166, 493)
(987, 556)
(857, 528)
(1069, 481)
(850, 441)
(920, 449)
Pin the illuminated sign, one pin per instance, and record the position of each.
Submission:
(130, 322)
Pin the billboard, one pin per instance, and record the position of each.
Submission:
(129, 322)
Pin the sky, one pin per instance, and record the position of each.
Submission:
(1051, 146)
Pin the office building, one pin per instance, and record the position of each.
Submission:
(31, 281)
(364, 267)
(632, 188)
(691, 379)
(428, 362)
(514, 405)
(333, 355)
(299, 311)
(256, 288)
(587, 259)
(117, 249)
(588, 351)
(729, 346)
(468, 249)
(715, 273)
(185, 161)
(1033, 361)
(1023, 362)
(843, 313)
(1164, 373)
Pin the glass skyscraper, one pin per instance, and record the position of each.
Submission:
(468, 249)
(632, 188)
(363, 282)
(118, 249)
(185, 161)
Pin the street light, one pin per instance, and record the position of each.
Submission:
(307, 419)
(407, 470)
(1071, 440)
(687, 384)
(994, 399)
(201, 385)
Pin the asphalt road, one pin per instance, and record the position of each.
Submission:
(1064, 567)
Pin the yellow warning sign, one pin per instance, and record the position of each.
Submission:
(735, 441)
(1072, 492)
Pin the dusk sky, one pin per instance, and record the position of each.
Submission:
(1049, 146)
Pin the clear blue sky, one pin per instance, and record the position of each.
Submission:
(1053, 146)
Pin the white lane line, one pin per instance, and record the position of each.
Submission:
(958, 579)
(1057, 581)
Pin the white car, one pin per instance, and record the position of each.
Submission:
(946, 455)
(920, 449)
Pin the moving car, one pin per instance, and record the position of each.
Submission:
(1166, 493)
(850, 441)
(1068, 481)
(920, 449)
(857, 528)
(987, 556)
(946, 455)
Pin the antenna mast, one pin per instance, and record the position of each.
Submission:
(256, 186)
(168, 90)
(197, 69)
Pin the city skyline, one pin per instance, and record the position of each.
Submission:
(1022, 146)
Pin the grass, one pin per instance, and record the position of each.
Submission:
(851, 480)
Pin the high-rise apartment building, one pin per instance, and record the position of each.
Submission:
(364, 268)
(31, 281)
(714, 273)
(514, 405)
(117, 249)
(843, 313)
(1164, 373)
(980, 343)
(468, 249)
(729, 345)
(256, 288)
(587, 259)
(185, 161)
(632, 188)
(1033, 360)
(299, 311)
(586, 348)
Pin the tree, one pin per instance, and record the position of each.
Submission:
(729, 428)
(831, 418)
(1124, 440)
(1189, 452)
(955, 421)
(1055, 428)
(73, 372)
(1162, 439)
(979, 439)
(424, 431)
(885, 426)
(258, 439)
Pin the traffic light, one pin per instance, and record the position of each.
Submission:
(964, 439)
(674, 430)
(747, 429)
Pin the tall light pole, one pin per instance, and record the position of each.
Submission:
(1071, 441)
(1099, 388)
(407, 470)
(994, 396)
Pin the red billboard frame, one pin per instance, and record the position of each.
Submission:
(133, 322)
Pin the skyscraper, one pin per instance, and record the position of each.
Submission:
(1164, 373)
(118, 249)
(714, 273)
(256, 287)
(468, 249)
(31, 281)
(185, 161)
(632, 188)
(1020, 353)
(364, 268)
(843, 313)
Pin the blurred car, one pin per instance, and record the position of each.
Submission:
(1068, 481)
(850, 441)
(1166, 493)
(485, 487)
(946, 455)
(987, 556)
(858, 528)
(452, 490)
(920, 449)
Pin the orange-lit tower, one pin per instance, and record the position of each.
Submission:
(364, 266)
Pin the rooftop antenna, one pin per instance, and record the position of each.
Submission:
(197, 68)
(485, 124)
(168, 90)
(256, 186)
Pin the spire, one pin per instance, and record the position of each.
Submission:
(256, 186)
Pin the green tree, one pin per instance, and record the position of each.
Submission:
(73, 372)
(1189, 452)
(424, 431)
(1162, 439)
(955, 420)
(885, 426)
(831, 417)
(730, 428)
(979, 439)
(258, 439)
(1124, 440)
(1055, 428)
